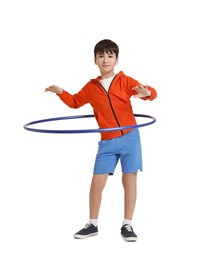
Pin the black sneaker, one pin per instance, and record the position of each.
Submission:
(128, 234)
(88, 231)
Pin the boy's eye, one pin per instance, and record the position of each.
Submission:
(102, 56)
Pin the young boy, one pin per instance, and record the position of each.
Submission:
(109, 95)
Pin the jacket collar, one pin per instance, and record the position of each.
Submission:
(118, 75)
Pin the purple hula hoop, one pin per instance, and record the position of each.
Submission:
(26, 126)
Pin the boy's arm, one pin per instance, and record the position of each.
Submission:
(73, 101)
(138, 90)
(145, 92)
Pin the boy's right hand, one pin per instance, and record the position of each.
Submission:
(54, 89)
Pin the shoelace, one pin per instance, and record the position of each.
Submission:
(87, 225)
(129, 228)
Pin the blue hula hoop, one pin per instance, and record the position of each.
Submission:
(77, 131)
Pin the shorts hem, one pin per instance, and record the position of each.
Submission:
(109, 173)
(135, 172)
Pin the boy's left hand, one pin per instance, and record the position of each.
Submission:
(142, 91)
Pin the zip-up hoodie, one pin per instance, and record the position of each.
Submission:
(112, 108)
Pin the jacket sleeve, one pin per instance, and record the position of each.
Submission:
(134, 83)
(153, 94)
(74, 101)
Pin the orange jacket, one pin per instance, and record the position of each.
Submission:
(112, 108)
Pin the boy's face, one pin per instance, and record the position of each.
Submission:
(106, 62)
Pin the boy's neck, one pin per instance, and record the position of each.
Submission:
(107, 75)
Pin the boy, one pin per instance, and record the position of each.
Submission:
(109, 95)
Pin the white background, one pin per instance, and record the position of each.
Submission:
(45, 178)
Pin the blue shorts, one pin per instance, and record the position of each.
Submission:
(126, 148)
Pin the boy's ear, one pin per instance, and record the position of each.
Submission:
(95, 60)
(117, 61)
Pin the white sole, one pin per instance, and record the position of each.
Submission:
(130, 239)
(82, 236)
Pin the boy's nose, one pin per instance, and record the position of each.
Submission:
(105, 59)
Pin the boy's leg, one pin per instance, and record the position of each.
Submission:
(129, 181)
(95, 195)
(130, 193)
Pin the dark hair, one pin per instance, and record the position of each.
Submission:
(106, 45)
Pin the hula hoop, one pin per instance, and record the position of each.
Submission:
(77, 131)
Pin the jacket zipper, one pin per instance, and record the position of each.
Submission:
(110, 102)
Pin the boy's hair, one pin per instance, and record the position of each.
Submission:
(106, 46)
